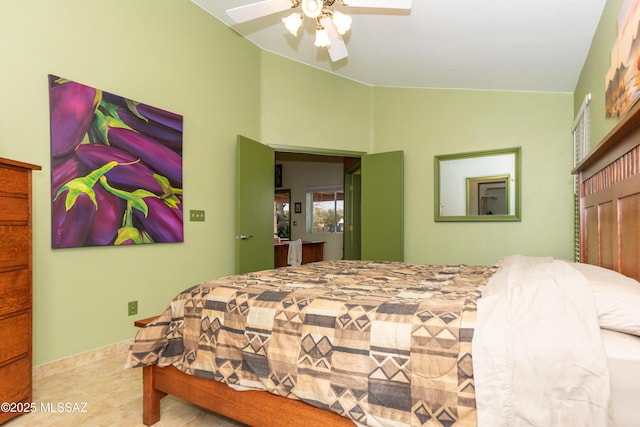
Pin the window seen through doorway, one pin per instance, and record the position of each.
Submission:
(325, 210)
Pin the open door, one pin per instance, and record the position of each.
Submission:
(382, 207)
(352, 213)
(254, 206)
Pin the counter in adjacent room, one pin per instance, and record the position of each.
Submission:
(312, 251)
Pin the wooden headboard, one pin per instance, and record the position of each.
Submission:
(610, 199)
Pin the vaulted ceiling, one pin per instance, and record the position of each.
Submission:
(514, 45)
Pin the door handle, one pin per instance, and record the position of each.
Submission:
(243, 237)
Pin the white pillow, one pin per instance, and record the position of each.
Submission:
(617, 298)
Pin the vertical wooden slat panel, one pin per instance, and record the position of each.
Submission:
(606, 235)
(590, 238)
(610, 202)
(629, 235)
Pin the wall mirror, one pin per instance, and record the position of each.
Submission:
(282, 214)
(478, 186)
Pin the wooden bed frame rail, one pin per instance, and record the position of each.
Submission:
(255, 408)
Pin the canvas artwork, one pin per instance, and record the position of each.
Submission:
(623, 79)
(116, 169)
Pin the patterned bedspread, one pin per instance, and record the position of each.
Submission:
(382, 343)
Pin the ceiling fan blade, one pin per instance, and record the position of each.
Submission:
(337, 49)
(258, 10)
(384, 4)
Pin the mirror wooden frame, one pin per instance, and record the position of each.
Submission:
(515, 187)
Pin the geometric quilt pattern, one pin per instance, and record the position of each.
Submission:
(381, 343)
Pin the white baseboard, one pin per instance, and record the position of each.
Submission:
(64, 364)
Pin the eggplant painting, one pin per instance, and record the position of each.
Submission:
(116, 169)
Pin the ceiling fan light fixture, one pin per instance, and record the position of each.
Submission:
(312, 8)
(331, 24)
(322, 38)
(342, 22)
(293, 23)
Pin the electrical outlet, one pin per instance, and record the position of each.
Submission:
(132, 308)
(196, 215)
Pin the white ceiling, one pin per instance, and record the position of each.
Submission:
(519, 45)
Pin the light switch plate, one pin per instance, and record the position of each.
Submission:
(196, 215)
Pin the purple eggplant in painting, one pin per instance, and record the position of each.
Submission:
(107, 219)
(112, 131)
(72, 106)
(64, 170)
(114, 99)
(130, 174)
(158, 115)
(163, 134)
(162, 159)
(70, 228)
(163, 223)
(116, 173)
(76, 204)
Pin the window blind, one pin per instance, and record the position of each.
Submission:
(581, 147)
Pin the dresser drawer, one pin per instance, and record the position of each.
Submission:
(15, 385)
(15, 291)
(15, 336)
(15, 210)
(15, 245)
(14, 181)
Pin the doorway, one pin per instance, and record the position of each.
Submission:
(305, 175)
(381, 201)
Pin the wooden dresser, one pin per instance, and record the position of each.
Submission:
(15, 287)
(311, 252)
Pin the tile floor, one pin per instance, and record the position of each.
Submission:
(113, 397)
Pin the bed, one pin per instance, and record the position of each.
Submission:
(343, 343)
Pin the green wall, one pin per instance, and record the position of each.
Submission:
(429, 122)
(306, 107)
(167, 53)
(172, 54)
(303, 106)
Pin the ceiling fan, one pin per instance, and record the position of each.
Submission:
(331, 24)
